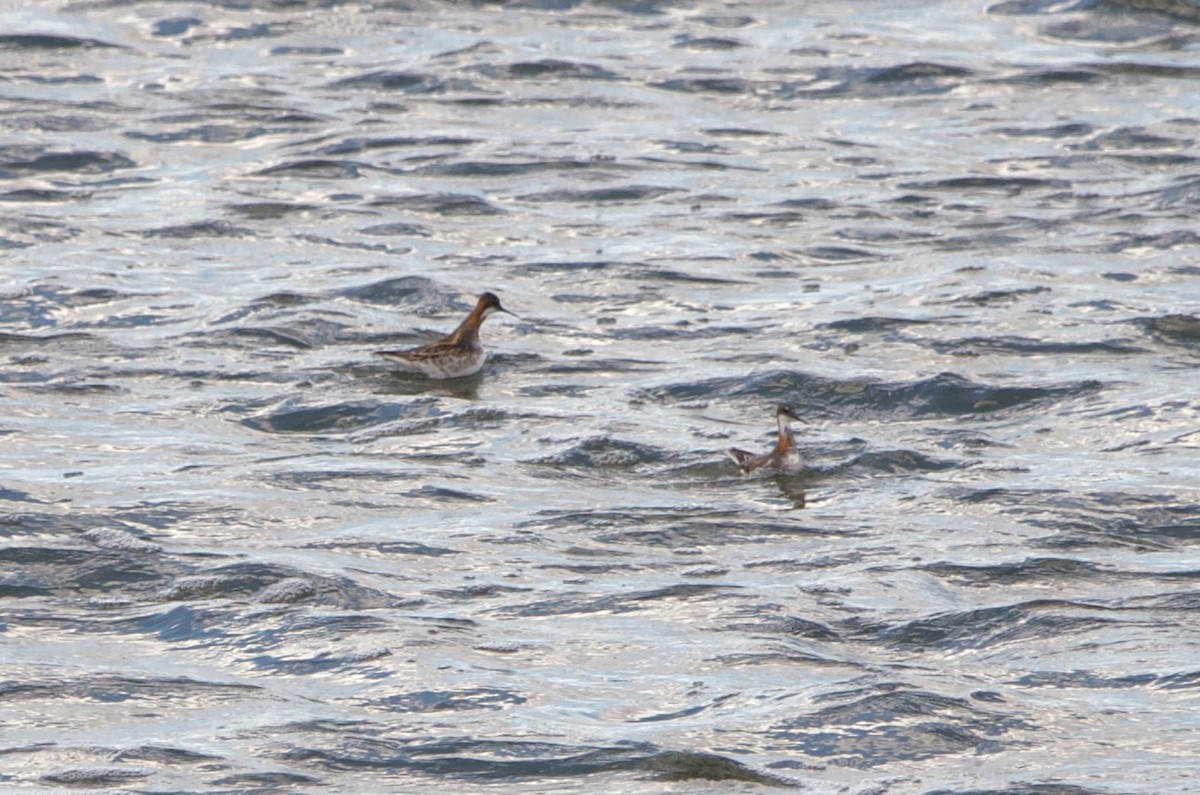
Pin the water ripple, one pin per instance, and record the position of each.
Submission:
(961, 242)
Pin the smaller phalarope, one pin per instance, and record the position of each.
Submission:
(456, 355)
(785, 456)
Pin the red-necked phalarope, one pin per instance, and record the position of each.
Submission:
(454, 356)
(785, 455)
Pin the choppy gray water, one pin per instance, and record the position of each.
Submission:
(241, 555)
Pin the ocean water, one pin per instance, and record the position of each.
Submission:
(241, 554)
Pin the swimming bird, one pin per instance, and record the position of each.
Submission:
(783, 457)
(456, 355)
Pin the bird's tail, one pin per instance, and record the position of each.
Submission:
(743, 459)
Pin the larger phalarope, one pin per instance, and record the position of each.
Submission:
(783, 457)
(453, 356)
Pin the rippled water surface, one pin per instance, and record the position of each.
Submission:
(241, 554)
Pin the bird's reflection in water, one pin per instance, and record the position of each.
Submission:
(399, 383)
(792, 487)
